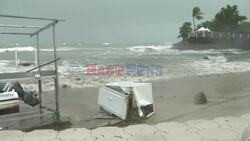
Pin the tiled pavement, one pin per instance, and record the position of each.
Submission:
(219, 129)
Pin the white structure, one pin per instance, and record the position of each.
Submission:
(120, 97)
(203, 31)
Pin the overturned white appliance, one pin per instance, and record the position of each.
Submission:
(120, 98)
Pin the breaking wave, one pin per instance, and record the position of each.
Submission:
(19, 49)
(176, 63)
(218, 64)
(148, 48)
(59, 49)
(30, 49)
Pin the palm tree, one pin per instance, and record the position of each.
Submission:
(197, 14)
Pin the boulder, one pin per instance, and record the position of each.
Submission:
(200, 98)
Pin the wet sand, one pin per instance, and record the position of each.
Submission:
(228, 95)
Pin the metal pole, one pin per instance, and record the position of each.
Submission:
(16, 33)
(38, 64)
(16, 57)
(32, 18)
(56, 78)
(19, 26)
(43, 65)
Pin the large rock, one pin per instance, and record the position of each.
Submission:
(200, 98)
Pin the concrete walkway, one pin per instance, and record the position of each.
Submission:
(219, 129)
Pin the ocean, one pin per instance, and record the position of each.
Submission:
(175, 63)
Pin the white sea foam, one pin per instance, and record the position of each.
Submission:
(69, 68)
(149, 48)
(30, 48)
(106, 44)
(19, 49)
(167, 49)
(178, 63)
(59, 49)
(218, 65)
(4, 62)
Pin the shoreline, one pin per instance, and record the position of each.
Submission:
(173, 99)
(186, 45)
(228, 95)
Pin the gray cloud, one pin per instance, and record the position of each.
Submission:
(117, 21)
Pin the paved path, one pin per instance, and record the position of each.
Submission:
(219, 129)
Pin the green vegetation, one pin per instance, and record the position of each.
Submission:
(196, 14)
(244, 27)
(185, 30)
(228, 19)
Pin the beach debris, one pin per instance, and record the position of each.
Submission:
(65, 86)
(25, 64)
(205, 58)
(200, 98)
(78, 79)
(122, 98)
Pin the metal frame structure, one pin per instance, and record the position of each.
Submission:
(39, 75)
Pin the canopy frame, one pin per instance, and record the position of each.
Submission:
(52, 23)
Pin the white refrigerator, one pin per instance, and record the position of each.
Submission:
(120, 97)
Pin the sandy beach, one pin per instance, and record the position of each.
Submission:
(228, 95)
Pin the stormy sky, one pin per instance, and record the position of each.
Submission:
(115, 21)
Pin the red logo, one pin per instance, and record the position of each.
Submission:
(110, 70)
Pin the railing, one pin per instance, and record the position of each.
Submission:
(221, 35)
(16, 76)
